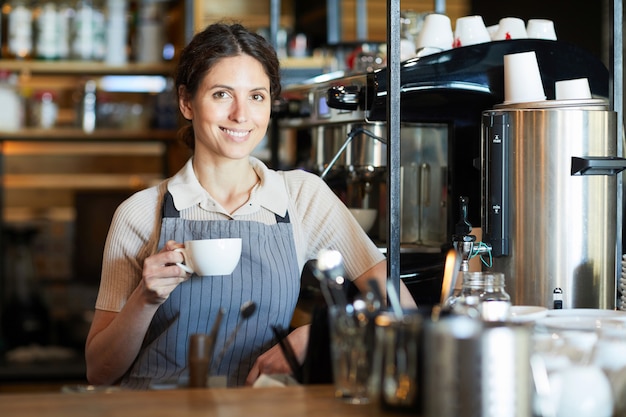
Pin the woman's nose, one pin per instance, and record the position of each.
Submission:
(239, 111)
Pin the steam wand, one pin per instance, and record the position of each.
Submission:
(343, 147)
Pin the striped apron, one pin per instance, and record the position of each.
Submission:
(267, 274)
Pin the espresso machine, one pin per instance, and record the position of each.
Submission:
(443, 97)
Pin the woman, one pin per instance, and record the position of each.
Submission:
(147, 306)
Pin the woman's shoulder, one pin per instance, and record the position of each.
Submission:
(135, 207)
(297, 178)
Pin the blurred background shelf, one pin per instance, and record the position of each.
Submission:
(83, 67)
(78, 135)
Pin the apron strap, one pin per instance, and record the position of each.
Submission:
(168, 209)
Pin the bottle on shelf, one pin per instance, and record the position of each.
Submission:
(88, 28)
(116, 32)
(150, 32)
(47, 30)
(11, 103)
(19, 30)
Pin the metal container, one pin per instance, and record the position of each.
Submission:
(477, 369)
(549, 200)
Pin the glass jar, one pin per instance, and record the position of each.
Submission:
(483, 296)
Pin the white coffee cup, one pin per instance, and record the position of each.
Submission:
(577, 89)
(522, 79)
(470, 30)
(510, 28)
(436, 33)
(541, 29)
(207, 257)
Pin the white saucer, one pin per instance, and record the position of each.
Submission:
(579, 323)
(523, 314)
(587, 312)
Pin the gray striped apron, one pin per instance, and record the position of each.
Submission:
(267, 274)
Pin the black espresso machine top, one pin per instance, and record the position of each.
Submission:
(450, 85)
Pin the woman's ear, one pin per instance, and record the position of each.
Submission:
(184, 103)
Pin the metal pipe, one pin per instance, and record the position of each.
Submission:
(333, 22)
(440, 6)
(393, 142)
(617, 105)
(189, 22)
(361, 20)
(274, 22)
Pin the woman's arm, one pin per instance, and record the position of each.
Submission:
(379, 273)
(114, 339)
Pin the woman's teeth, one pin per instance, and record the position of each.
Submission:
(237, 134)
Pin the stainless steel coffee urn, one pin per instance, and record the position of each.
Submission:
(549, 201)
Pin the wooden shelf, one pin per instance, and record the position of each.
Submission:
(80, 182)
(84, 67)
(75, 134)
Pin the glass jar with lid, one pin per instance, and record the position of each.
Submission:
(483, 295)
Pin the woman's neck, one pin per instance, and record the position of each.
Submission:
(229, 183)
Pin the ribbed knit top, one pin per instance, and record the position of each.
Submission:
(320, 221)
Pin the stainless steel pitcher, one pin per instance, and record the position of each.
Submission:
(549, 201)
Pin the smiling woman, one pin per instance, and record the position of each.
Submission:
(148, 306)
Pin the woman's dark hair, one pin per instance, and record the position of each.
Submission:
(207, 48)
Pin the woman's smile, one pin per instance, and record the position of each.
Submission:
(237, 134)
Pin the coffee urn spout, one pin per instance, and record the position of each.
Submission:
(463, 241)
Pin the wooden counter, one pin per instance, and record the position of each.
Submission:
(298, 401)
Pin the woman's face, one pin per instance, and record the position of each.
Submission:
(231, 109)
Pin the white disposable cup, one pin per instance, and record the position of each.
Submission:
(493, 29)
(577, 89)
(209, 257)
(470, 30)
(541, 29)
(436, 33)
(522, 80)
(510, 28)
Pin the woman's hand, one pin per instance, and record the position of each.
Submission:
(273, 361)
(161, 275)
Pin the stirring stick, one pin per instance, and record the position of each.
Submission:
(214, 330)
(287, 350)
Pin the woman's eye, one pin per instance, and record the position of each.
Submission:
(258, 97)
(220, 94)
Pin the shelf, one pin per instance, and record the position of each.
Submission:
(98, 148)
(75, 134)
(80, 182)
(84, 67)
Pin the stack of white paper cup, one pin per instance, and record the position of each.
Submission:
(510, 28)
(576, 89)
(541, 29)
(470, 30)
(522, 79)
(436, 33)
